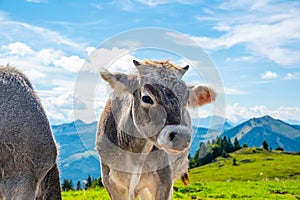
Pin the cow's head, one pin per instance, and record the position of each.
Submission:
(159, 100)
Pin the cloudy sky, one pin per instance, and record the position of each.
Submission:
(254, 45)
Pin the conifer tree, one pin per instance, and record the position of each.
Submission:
(78, 187)
(89, 182)
(67, 185)
(100, 182)
(225, 154)
(236, 144)
(230, 146)
(265, 145)
(202, 150)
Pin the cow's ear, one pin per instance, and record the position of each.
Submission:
(119, 81)
(109, 77)
(200, 95)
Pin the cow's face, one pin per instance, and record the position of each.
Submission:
(159, 103)
(160, 114)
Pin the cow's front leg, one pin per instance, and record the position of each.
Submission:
(156, 185)
(49, 188)
(165, 183)
(116, 190)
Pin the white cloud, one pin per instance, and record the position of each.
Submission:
(34, 74)
(241, 59)
(59, 108)
(59, 100)
(90, 50)
(70, 63)
(269, 75)
(118, 60)
(18, 48)
(238, 113)
(220, 27)
(233, 91)
(253, 5)
(123, 64)
(22, 56)
(62, 85)
(291, 76)
(47, 56)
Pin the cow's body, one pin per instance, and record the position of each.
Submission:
(28, 152)
(144, 132)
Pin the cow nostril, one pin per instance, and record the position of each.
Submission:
(172, 136)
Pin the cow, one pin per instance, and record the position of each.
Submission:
(144, 132)
(28, 152)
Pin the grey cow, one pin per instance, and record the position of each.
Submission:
(144, 132)
(28, 153)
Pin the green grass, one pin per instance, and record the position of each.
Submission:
(239, 190)
(259, 175)
(95, 194)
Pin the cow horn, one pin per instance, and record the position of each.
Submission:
(136, 63)
(186, 67)
(183, 70)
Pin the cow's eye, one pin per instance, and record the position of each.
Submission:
(147, 99)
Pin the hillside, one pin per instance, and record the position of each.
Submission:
(258, 175)
(276, 132)
(253, 164)
(77, 155)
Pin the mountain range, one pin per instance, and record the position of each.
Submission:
(276, 132)
(78, 158)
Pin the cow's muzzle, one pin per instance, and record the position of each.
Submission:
(174, 138)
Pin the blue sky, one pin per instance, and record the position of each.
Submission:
(255, 46)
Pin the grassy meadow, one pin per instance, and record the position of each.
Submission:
(258, 175)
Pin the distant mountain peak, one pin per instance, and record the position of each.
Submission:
(79, 121)
(274, 131)
(267, 117)
(263, 118)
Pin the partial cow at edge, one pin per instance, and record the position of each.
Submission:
(28, 153)
(144, 133)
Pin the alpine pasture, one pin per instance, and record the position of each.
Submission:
(259, 174)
